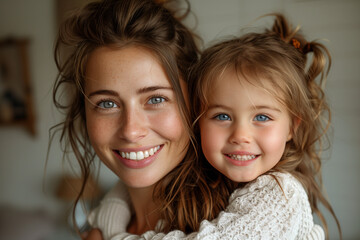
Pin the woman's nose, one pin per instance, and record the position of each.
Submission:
(240, 134)
(133, 125)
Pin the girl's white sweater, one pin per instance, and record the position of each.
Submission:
(260, 210)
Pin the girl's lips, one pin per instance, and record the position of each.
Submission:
(241, 159)
(139, 160)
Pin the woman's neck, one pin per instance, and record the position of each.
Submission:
(146, 212)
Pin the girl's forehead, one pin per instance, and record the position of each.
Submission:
(236, 82)
(244, 79)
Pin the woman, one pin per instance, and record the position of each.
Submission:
(125, 87)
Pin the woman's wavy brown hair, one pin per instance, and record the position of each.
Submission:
(278, 55)
(123, 23)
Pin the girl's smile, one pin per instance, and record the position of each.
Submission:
(244, 130)
(240, 159)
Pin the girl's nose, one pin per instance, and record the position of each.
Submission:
(240, 134)
(133, 126)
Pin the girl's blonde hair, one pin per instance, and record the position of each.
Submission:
(279, 56)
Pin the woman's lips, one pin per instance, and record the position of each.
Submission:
(139, 155)
(138, 159)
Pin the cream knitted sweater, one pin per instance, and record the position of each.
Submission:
(260, 210)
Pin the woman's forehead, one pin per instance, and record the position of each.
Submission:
(124, 68)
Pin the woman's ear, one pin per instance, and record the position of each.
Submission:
(295, 126)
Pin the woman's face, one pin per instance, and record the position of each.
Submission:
(132, 115)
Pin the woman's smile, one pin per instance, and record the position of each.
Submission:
(138, 159)
(137, 154)
(132, 115)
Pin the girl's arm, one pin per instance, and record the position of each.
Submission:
(261, 209)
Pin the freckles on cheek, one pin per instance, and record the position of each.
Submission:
(168, 124)
(97, 129)
(93, 131)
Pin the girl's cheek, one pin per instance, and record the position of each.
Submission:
(211, 139)
(273, 139)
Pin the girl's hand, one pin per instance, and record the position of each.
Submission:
(93, 234)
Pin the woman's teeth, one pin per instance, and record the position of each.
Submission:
(140, 154)
(241, 157)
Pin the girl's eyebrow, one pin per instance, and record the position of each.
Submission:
(257, 107)
(140, 91)
(217, 106)
(267, 107)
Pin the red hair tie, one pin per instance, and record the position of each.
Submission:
(308, 48)
(295, 43)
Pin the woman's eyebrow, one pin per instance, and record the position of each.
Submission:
(103, 92)
(152, 88)
(140, 91)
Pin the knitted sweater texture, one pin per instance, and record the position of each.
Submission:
(260, 210)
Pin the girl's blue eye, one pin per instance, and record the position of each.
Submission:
(223, 117)
(156, 100)
(107, 104)
(261, 118)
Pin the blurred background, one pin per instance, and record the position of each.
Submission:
(30, 203)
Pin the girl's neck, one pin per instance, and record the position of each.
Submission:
(146, 213)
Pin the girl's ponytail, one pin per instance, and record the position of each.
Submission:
(313, 61)
(315, 80)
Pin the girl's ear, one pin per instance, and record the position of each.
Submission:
(295, 126)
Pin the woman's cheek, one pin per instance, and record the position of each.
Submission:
(168, 124)
(100, 129)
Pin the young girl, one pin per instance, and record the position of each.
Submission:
(263, 116)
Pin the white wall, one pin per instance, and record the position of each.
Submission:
(339, 22)
(22, 158)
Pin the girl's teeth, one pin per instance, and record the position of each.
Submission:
(242, 157)
(140, 154)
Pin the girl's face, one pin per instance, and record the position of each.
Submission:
(132, 115)
(245, 129)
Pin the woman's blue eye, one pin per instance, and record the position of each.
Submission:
(107, 104)
(261, 118)
(156, 100)
(223, 117)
